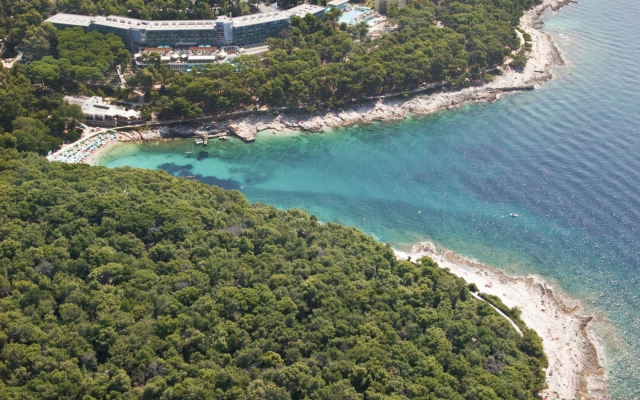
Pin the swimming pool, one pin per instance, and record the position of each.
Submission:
(356, 15)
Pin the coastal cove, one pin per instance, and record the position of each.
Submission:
(432, 98)
(563, 157)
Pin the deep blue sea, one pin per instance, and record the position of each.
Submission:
(565, 157)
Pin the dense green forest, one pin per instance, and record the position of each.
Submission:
(134, 284)
(33, 122)
(79, 58)
(138, 285)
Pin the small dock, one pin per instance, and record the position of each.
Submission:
(206, 137)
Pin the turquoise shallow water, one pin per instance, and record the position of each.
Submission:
(564, 157)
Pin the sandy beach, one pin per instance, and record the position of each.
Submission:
(94, 144)
(575, 371)
(123, 136)
(99, 153)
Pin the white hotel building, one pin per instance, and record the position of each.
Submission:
(240, 31)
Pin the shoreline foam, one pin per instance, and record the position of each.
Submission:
(561, 321)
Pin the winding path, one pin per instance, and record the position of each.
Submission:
(501, 313)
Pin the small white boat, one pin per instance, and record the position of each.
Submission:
(222, 138)
(198, 141)
(512, 215)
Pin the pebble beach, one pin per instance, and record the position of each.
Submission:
(574, 371)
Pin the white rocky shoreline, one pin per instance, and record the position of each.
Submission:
(575, 370)
(543, 56)
(363, 114)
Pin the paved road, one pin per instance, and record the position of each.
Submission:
(121, 77)
(516, 327)
(8, 63)
(256, 50)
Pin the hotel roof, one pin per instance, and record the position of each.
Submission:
(70, 19)
(303, 9)
(115, 21)
(337, 3)
(260, 18)
(96, 106)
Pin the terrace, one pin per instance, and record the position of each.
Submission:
(186, 60)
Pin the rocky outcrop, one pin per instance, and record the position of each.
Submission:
(363, 114)
(247, 128)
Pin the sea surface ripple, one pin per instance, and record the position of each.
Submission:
(565, 157)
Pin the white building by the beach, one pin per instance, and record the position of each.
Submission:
(94, 108)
